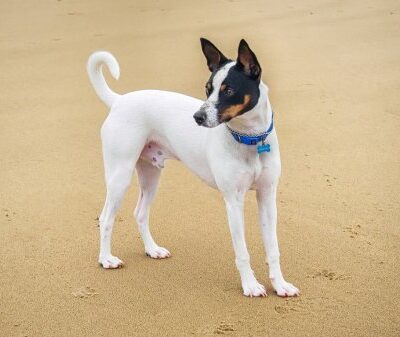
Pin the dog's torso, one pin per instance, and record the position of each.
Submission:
(211, 153)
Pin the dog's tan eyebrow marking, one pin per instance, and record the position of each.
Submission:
(235, 110)
(223, 87)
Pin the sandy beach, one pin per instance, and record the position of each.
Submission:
(333, 69)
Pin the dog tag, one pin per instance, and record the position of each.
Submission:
(263, 148)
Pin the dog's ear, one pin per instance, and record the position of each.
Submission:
(247, 61)
(214, 57)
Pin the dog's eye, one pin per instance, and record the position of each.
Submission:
(229, 91)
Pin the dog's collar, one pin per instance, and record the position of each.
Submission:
(254, 139)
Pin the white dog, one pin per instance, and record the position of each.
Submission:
(235, 150)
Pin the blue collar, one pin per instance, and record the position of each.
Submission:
(254, 139)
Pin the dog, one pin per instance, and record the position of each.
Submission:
(228, 140)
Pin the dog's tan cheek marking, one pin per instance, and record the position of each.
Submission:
(234, 110)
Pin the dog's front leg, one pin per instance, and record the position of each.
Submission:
(266, 199)
(234, 206)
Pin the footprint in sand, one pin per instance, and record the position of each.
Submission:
(354, 231)
(84, 292)
(295, 305)
(306, 306)
(285, 309)
(329, 180)
(8, 214)
(330, 275)
(224, 328)
(209, 330)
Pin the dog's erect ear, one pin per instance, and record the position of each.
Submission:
(247, 61)
(214, 57)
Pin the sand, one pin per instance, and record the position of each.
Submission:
(334, 75)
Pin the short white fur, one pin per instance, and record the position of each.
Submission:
(145, 120)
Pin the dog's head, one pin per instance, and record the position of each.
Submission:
(233, 88)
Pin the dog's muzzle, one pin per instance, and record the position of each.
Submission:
(207, 115)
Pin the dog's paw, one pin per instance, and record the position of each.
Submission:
(110, 262)
(158, 252)
(254, 289)
(284, 289)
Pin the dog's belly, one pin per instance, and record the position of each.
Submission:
(155, 154)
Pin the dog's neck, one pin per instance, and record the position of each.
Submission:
(258, 119)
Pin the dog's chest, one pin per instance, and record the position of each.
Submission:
(250, 168)
(259, 169)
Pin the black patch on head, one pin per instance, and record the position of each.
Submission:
(209, 85)
(239, 89)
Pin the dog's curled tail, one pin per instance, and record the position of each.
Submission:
(94, 69)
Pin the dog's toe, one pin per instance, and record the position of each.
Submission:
(110, 262)
(285, 289)
(254, 289)
(158, 252)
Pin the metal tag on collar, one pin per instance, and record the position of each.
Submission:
(263, 148)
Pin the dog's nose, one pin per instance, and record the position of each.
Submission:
(200, 117)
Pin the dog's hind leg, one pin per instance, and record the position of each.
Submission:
(117, 183)
(120, 156)
(149, 177)
(116, 187)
